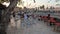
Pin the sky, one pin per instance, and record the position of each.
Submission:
(30, 3)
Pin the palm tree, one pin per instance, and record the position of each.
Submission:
(34, 1)
(5, 15)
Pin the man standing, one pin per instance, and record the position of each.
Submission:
(25, 16)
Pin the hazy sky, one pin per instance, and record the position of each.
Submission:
(40, 2)
(30, 3)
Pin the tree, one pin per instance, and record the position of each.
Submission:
(42, 7)
(5, 15)
(34, 1)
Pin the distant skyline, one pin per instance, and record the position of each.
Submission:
(30, 3)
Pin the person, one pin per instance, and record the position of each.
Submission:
(22, 16)
(13, 14)
(49, 19)
(48, 16)
(25, 16)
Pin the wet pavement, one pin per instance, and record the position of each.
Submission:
(38, 27)
(29, 26)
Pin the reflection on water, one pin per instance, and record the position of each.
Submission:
(28, 26)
